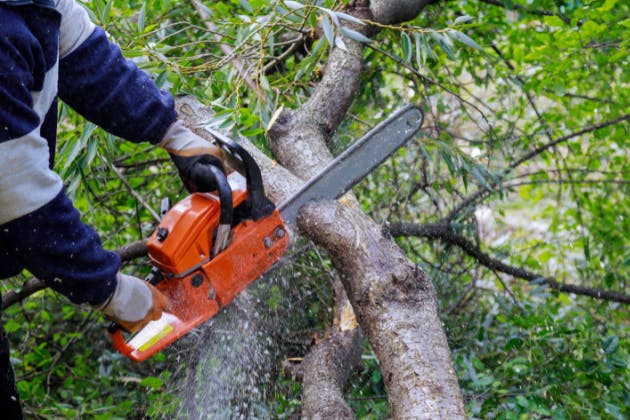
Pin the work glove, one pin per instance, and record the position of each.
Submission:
(198, 161)
(134, 303)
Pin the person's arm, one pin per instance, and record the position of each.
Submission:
(54, 245)
(107, 89)
(40, 229)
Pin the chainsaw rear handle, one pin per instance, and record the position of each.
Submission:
(118, 340)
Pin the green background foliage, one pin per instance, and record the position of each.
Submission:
(498, 83)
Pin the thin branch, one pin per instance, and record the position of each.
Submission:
(572, 182)
(227, 50)
(483, 192)
(584, 97)
(536, 12)
(443, 231)
(131, 190)
(589, 129)
(294, 45)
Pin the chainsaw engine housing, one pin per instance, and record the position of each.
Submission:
(197, 283)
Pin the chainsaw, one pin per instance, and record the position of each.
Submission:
(210, 246)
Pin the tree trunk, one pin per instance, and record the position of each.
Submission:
(396, 307)
(394, 301)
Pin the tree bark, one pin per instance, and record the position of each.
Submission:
(389, 12)
(236, 356)
(396, 307)
(399, 312)
(327, 367)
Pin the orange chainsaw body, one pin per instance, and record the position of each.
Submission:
(196, 283)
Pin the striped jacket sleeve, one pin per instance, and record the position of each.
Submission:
(39, 228)
(99, 83)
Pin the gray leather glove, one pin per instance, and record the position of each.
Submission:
(134, 303)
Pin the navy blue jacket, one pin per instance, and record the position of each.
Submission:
(50, 49)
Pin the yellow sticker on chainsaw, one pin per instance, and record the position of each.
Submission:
(155, 338)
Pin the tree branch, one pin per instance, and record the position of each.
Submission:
(546, 146)
(329, 364)
(444, 232)
(396, 307)
(400, 317)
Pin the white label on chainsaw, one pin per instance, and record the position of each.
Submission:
(153, 331)
(237, 181)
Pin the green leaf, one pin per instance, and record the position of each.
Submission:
(293, 5)
(103, 14)
(10, 325)
(421, 52)
(141, 18)
(333, 17)
(452, 168)
(349, 18)
(478, 172)
(607, 6)
(444, 42)
(328, 30)
(357, 36)
(464, 39)
(152, 382)
(522, 401)
(406, 47)
(264, 83)
(614, 411)
(592, 29)
(463, 19)
(553, 21)
(340, 44)
(610, 344)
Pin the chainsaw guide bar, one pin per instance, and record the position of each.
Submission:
(208, 248)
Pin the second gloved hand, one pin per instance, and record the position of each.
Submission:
(134, 303)
(198, 161)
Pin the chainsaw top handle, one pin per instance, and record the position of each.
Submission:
(225, 196)
(257, 204)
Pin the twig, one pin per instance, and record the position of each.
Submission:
(483, 192)
(131, 190)
(589, 129)
(227, 50)
(444, 232)
(537, 12)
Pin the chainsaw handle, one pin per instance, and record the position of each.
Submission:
(225, 196)
(259, 205)
(118, 340)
